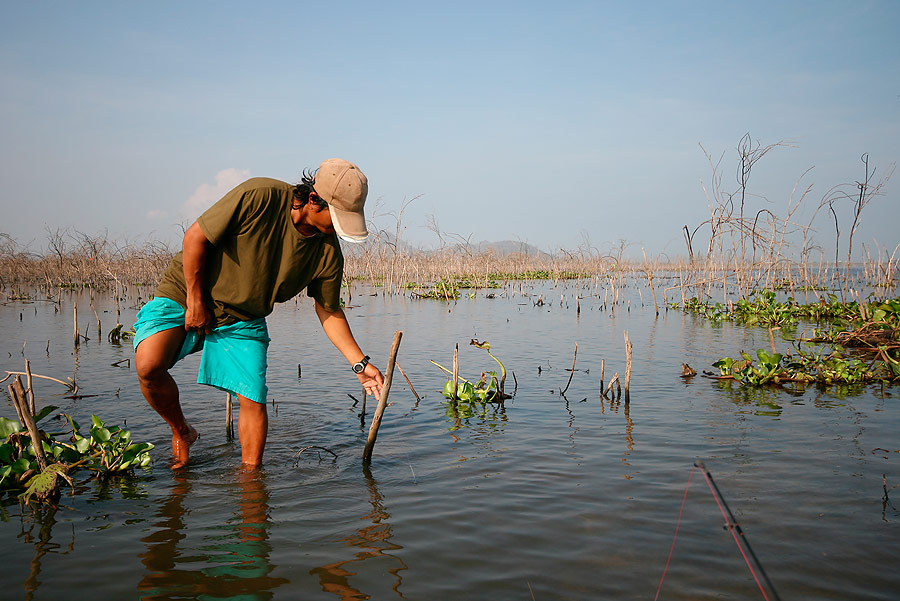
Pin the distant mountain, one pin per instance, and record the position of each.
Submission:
(501, 248)
(508, 247)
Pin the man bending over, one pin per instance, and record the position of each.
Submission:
(262, 243)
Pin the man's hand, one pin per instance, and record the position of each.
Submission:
(372, 380)
(198, 317)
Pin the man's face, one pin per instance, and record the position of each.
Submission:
(320, 218)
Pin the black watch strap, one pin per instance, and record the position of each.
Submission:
(361, 365)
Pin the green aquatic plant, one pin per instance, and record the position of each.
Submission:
(483, 391)
(766, 369)
(486, 346)
(489, 388)
(441, 290)
(872, 328)
(118, 334)
(763, 309)
(107, 451)
(823, 367)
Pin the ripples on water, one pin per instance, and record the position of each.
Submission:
(549, 497)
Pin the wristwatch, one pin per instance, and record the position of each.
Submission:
(360, 366)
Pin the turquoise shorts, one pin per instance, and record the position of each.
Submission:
(234, 356)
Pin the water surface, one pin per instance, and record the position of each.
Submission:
(547, 497)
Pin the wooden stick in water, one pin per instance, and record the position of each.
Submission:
(402, 373)
(75, 318)
(30, 382)
(614, 381)
(382, 403)
(17, 392)
(602, 372)
(627, 367)
(574, 357)
(455, 373)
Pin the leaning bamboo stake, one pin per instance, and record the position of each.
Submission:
(449, 372)
(627, 367)
(17, 391)
(18, 409)
(402, 373)
(613, 382)
(9, 374)
(574, 357)
(382, 403)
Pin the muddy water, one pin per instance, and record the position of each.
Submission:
(549, 497)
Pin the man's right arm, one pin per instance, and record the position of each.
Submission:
(196, 246)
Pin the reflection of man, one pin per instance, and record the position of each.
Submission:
(262, 243)
(235, 555)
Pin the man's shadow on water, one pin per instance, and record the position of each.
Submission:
(242, 550)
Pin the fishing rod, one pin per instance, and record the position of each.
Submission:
(731, 524)
(737, 533)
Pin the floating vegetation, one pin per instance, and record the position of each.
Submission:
(38, 462)
(862, 343)
(441, 290)
(763, 309)
(104, 450)
(805, 367)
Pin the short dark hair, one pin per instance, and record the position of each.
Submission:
(305, 188)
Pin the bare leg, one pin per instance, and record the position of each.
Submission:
(253, 425)
(154, 356)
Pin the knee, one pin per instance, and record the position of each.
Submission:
(149, 368)
(253, 411)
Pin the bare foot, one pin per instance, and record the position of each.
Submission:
(181, 447)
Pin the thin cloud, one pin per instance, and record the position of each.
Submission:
(207, 194)
(156, 214)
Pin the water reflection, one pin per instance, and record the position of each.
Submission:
(44, 518)
(768, 400)
(374, 541)
(237, 562)
(486, 417)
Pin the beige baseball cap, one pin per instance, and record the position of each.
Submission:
(344, 187)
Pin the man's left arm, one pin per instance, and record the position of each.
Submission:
(335, 325)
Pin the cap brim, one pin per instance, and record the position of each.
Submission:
(349, 225)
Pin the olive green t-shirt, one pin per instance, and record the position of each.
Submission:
(258, 258)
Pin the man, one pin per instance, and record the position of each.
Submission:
(262, 243)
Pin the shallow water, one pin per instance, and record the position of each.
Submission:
(547, 497)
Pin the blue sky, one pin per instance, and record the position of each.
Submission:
(548, 123)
